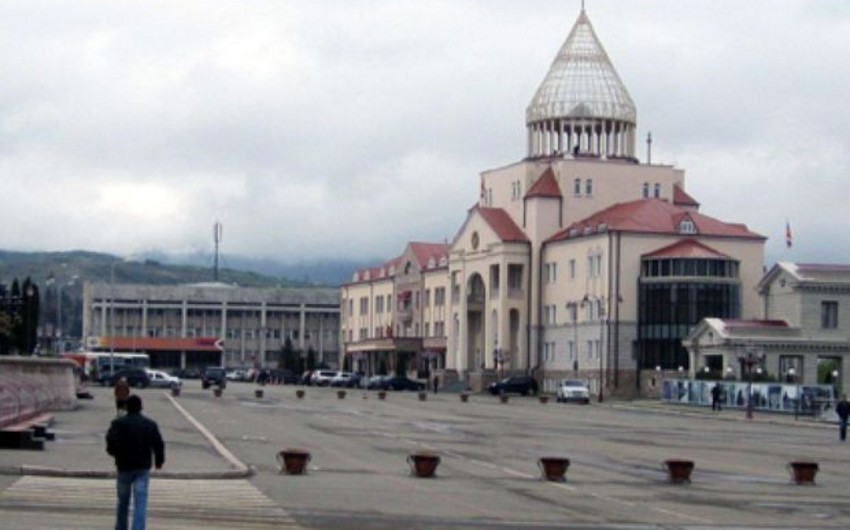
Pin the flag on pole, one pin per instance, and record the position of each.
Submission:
(789, 240)
(483, 190)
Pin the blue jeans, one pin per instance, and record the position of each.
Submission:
(135, 482)
(842, 429)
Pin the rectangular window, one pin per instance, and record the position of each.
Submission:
(554, 272)
(364, 305)
(829, 315)
(379, 304)
(572, 269)
(427, 297)
(588, 187)
(577, 186)
(657, 190)
(590, 349)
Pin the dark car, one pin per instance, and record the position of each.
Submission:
(137, 377)
(284, 377)
(399, 383)
(516, 384)
(214, 376)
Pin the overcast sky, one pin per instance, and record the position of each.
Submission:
(344, 129)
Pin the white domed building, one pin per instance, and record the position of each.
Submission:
(577, 261)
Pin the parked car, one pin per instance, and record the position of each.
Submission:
(188, 373)
(137, 377)
(374, 382)
(398, 382)
(161, 379)
(284, 377)
(515, 384)
(345, 379)
(322, 377)
(573, 390)
(214, 376)
(236, 375)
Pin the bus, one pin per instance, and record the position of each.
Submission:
(96, 364)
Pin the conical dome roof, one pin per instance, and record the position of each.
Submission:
(582, 82)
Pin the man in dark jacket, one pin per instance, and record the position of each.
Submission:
(843, 411)
(134, 440)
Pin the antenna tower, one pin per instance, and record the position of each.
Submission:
(217, 231)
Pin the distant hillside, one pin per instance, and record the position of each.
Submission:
(81, 266)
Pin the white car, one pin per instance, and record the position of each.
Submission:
(322, 377)
(575, 390)
(161, 379)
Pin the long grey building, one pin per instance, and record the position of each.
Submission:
(211, 323)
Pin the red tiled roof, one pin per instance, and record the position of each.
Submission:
(680, 198)
(427, 251)
(653, 216)
(546, 186)
(748, 324)
(501, 223)
(208, 344)
(686, 248)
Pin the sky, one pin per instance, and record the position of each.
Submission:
(342, 129)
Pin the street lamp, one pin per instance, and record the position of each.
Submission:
(588, 298)
(572, 307)
(750, 359)
(112, 310)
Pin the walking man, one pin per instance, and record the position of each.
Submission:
(134, 440)
(843, 410)
(122, 392)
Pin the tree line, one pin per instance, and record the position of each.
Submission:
(19, 311)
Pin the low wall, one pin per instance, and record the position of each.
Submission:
(30, 386)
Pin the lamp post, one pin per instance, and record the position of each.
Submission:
(836, 384)
(69, 283)
(750, 359)
(572, 307)
(598, 300)
(792, 378)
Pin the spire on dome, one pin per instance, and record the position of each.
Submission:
(582, 106)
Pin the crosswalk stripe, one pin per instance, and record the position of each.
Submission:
(234, 500)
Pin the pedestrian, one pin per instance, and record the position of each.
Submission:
(436, 383)
(132, 440)
(715, 397)
(122, 393)
(843, 411)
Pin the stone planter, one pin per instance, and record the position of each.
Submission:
(553, 467)
(299, 394)
(341, 394)
(543, 399)
(217, 391)
(803, 473)
(175, 391)
(423, 464)
(258, 393)
(423, 396)
(679, 471)
(464, 397)
(503, 398)
(382, 394)
(293, 461)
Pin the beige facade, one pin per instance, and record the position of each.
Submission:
(549, 273)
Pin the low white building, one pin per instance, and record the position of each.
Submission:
(803, 338)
